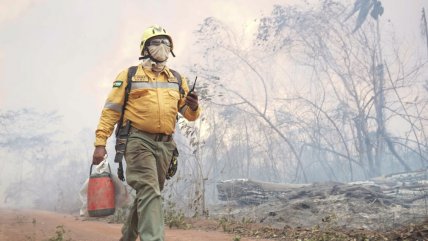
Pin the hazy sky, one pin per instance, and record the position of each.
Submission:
(64, 54)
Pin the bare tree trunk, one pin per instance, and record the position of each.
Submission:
(366, 144)
(379, 101)
(392, 149)
(247, 138)
(425, 27)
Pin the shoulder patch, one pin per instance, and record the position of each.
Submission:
(117, 84)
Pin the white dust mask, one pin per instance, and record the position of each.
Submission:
(160, 52)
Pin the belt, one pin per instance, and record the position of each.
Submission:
(159, 137)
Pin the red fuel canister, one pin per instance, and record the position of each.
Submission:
(100, 194)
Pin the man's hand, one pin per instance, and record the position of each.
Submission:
(192, 100)
(99, 154)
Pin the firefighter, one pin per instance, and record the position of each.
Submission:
(157, 95)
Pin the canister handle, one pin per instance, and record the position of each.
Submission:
(90, 170)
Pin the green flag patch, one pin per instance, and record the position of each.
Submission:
(117, 84)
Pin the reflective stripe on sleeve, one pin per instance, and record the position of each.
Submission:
(113, 106)
(154, 85)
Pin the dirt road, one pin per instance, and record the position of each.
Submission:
(32, 225)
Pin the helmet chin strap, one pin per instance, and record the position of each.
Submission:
(155, 66)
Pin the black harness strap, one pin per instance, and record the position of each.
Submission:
(178, 77)
(131, 72)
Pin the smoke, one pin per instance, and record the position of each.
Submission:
(10, 10)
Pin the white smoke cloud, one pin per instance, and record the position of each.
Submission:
(12, 9)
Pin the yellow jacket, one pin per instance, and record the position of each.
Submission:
(152, 106)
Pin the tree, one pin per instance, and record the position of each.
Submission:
(43, 171)
(335, 52)
(342, 111)
(363, 7)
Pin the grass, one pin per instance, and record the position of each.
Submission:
(59, 234)
(175, 218)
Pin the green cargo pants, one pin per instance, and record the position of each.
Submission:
(147, 163)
